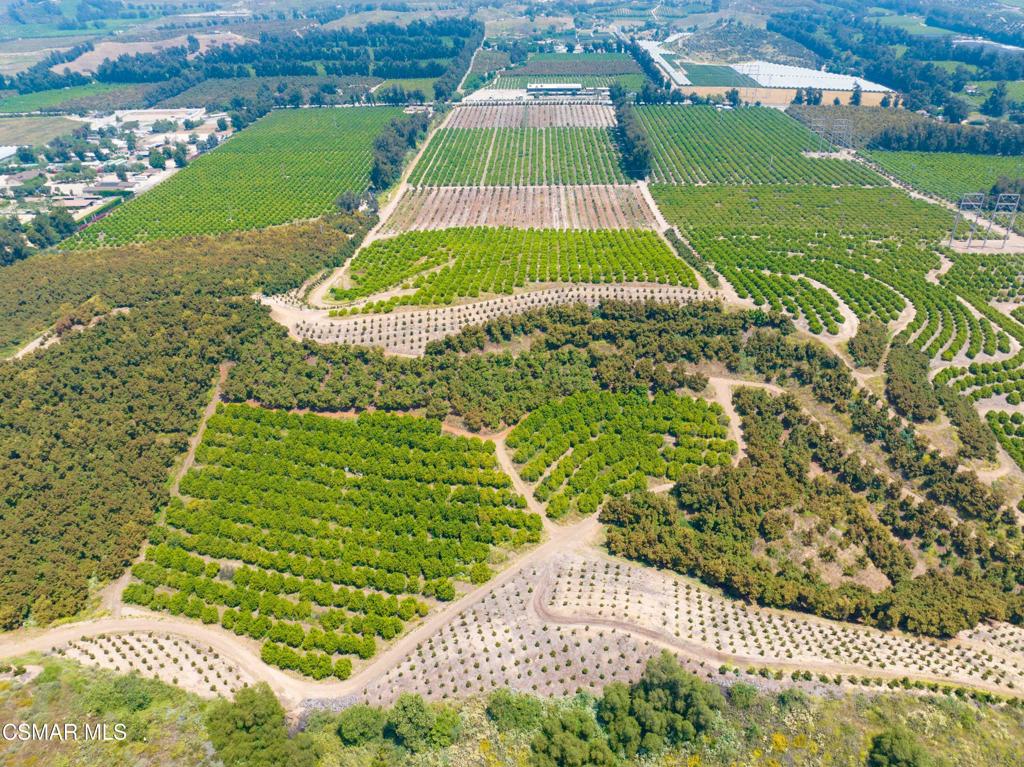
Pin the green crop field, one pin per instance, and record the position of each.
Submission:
(631, 82)
(949, 174)
(443, 265)
(534, 156)
(290, 165)
(701, 145)
(577, 65)
(872, 247)
(914, 25)
(710, 74)
(341, 526)
(54, 99)
(593, 445)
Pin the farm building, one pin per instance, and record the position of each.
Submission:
(553, 89)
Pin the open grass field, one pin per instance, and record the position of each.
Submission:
(949, 174)
(594, 445)
(290, 165)
(751, 145)
(424, 85)
(439, 267)
(532, 156)
(56, 98)
(342, 528)
(34, 130)
(873, 248)
(914, 25)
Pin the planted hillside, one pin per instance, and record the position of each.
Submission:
(290, 165)
(737, 528)
(97, 420)
(340, 526)
(441, 266)
(591, 446)
(874, 248)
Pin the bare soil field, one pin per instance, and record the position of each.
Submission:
(91, 60)
(523, 207)
(17, 131)
(173, 659)
(581, 620)
(533, 116)
(408, 332)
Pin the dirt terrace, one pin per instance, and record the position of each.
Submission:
(523, 207)
(533, 116)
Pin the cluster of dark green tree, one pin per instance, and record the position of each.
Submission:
(392, 145)
(90, 427)
(73, 287)
(438, 48)
(18, 240)
(632, 138)
(713, 523)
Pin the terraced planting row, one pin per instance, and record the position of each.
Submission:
(1009, 430)
(315, 535)
(984, 279)
(439, 267)
(752, 145)
(518, 156)
(949, 174)
(594, 445)
(873, 247)
(292, 164)
(532, 116)
(522, 207)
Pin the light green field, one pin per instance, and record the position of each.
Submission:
(533, 156)
(52, 99)
(290, 165)
(423, 84)
(448, 264)
(914, 25)
(951, 66)
(700, 145)
(948, 174)
(1014, 89)
(22, 131)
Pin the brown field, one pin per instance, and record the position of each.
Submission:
(580, 620)
(20, 131)
(90, 60)
(529, 116)
(522, 207)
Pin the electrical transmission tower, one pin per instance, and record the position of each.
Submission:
(1006, 205)
(969, 203)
